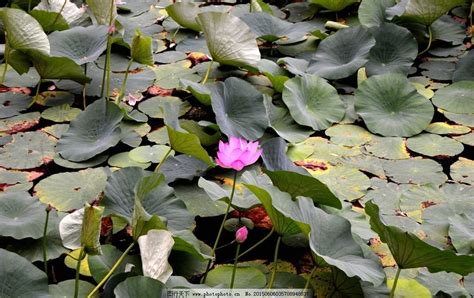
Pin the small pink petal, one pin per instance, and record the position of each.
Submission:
(237, 165)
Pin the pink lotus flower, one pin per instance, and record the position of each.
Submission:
(237, 154)
(241, 235)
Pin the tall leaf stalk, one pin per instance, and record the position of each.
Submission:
(106, 74)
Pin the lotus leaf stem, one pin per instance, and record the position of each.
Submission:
(84, 88)
(163, 160)
(213, 251)
(36, 94)
(430, 40)
(395, 281)
(45, 242)
(59, 13)
(78, 270)
(111, 271)
(308, 281)
(235, 266)
(106, 74)
(124, 83)
(275, 263)
(207, 73)
(258, 243)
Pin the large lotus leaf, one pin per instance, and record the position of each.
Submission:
(139, 286)
(49, 67)
(61, 113)
(168, 76)
(80, 44)
(443, 128)
(182, 167)
(65, 288)
(391, 106)
(21, 216)
(229, 39)
(275, 159)
(461, 233)
(146, 22)
(372, 12)
(69, 11)
(394, 52)
(388, 148)
(23, 31)
(101, 10)
(95, 130)
(284, 125)
(245, 277)
(18, 123)
(11, 104)
(449, 30)
(464, 68)
(20, 278)
(120, 194)
(342, 54)
(302, 185)
(334, 5)
(27, 150)
(434, 145)
(271, 28)
(155, 248)
(463, 171)
(32, 249)
(416, 171)
(100, 265)
(331, 239)
(411, 252)
(423, 11)
(184, 13)
(348, 135)
(313, 102)
(456, 98)
(153, 107)
(50, 21)
(239, 109)
(448, 283)
(68, 191)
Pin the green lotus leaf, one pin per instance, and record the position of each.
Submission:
(456, 98)
(442, 282)
(411, 252)
(95, 130)
(342, 54)
(184, 13)
(441, 69)
(80, 44)
(417, 171)
(95, 161)
(313, 102)
(443, 128)
(153, 107)
(27, 150)
(21, 215)
(65, 288)
(271, 28)
(120, 194)
(123, 160)
(245, 277)
(49, 67)
(464, 68)
(22, 121)
(387, 147)
(394, 52)
(139, 286)
(448, 30)
(434, 145)
(463, 119)
(348, 135)
(146, 154)
(461, 233)
(61, 113)
(101, 11)
(334, 5)
(272, 198)
(50, 21)
(13, 103)
(467, 139)
(302, 185)
(69, 11)
(422, 11)
(207, 132)
(229, 39)
(331, 239)
(239, 109)
(23, 31)
(201, 92)
(284, 125)
(141, 50)
(91, 228)
(391, 106)
(70, 190)
(409, 287)
(372, 12)
(20, 277)
(168, 76)
(463, 171)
